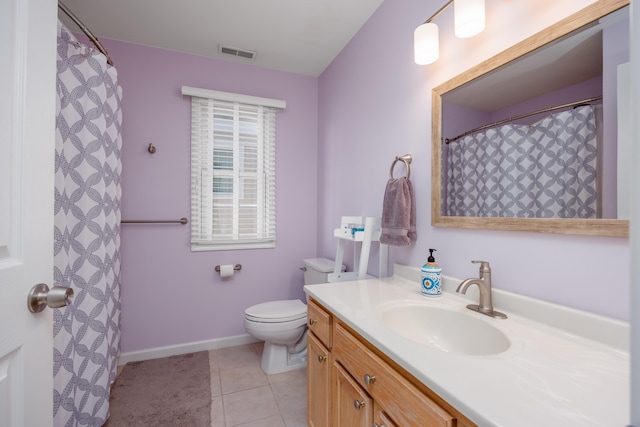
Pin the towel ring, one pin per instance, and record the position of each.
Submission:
(406, 159)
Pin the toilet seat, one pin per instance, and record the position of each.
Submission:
(277, 311)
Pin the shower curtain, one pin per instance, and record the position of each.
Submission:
(544, 170)
(86, 233)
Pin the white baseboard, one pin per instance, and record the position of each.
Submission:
(192, 347)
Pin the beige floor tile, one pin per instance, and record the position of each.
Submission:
(237, 357)
(217, 412)
(213, 361)
(287, 376)
(297, 420)
(296, 388)
(259, 346)
(291, 398)
(274, 421)
(214, 372)
(238, 379)
(216, 388)
(249, 405)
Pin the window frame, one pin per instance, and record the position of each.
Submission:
(203, 112)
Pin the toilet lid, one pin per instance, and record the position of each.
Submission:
(277, 311)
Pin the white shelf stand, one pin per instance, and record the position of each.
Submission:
(361, 233)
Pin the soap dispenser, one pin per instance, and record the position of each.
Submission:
(431, 271)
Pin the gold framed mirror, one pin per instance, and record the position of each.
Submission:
(521, 53)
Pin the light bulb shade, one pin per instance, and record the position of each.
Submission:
(468, 17)
(425, 43)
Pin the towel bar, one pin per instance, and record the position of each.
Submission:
(154, 221)
(406, 159)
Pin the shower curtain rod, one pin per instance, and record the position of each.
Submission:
(533, 113)
(85, 30)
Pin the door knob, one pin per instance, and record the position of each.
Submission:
(41, 296)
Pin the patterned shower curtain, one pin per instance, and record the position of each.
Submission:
(544, 170)
(87, 233)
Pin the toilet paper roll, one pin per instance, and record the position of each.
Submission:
(226, 270)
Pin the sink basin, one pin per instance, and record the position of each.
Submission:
(446, 330)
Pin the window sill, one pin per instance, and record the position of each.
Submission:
(231, 246)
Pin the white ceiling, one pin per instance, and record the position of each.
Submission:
(299, 36)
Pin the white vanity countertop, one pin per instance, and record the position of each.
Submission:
(547, 377)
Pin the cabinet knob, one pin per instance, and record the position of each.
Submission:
(358, 404)
(378, 425)
(321, 358)
(312, 322)
(369, 379)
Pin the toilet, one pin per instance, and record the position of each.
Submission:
(282, 324)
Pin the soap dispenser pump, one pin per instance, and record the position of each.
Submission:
(431, 272)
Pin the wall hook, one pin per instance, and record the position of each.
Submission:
(152, 148)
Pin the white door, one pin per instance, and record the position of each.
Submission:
(27, 144)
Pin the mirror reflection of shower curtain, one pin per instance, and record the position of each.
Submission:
(544, 170)
(86, 233)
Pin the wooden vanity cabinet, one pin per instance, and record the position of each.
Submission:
(357, 385)
(405, 404)
(353, 407)
(380, 418)
(320, 323)
(318, 383)
(319, 361)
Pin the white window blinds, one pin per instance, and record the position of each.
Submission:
(232, 175)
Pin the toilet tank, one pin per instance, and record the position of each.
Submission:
(316, 270)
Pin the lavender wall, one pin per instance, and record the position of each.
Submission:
(375, 103)
(337, 139)
(171, 295)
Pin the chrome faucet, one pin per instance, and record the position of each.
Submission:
(484, 286)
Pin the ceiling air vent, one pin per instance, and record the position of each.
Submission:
(228, 50)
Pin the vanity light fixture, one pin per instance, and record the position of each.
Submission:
(468, 17)
(468, 21)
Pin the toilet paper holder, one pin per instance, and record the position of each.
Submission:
(236, 267)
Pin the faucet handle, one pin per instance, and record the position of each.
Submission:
(484, 266)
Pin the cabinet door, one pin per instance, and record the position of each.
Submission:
(319, 323)
(380, 418)
(318, 383)
(353, 406)
(404, 402)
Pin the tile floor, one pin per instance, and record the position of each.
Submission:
(243, 395)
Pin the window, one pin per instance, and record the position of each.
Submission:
(232, 170)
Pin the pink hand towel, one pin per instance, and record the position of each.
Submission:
(398, 213)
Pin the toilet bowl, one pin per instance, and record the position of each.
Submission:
(282, 324)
